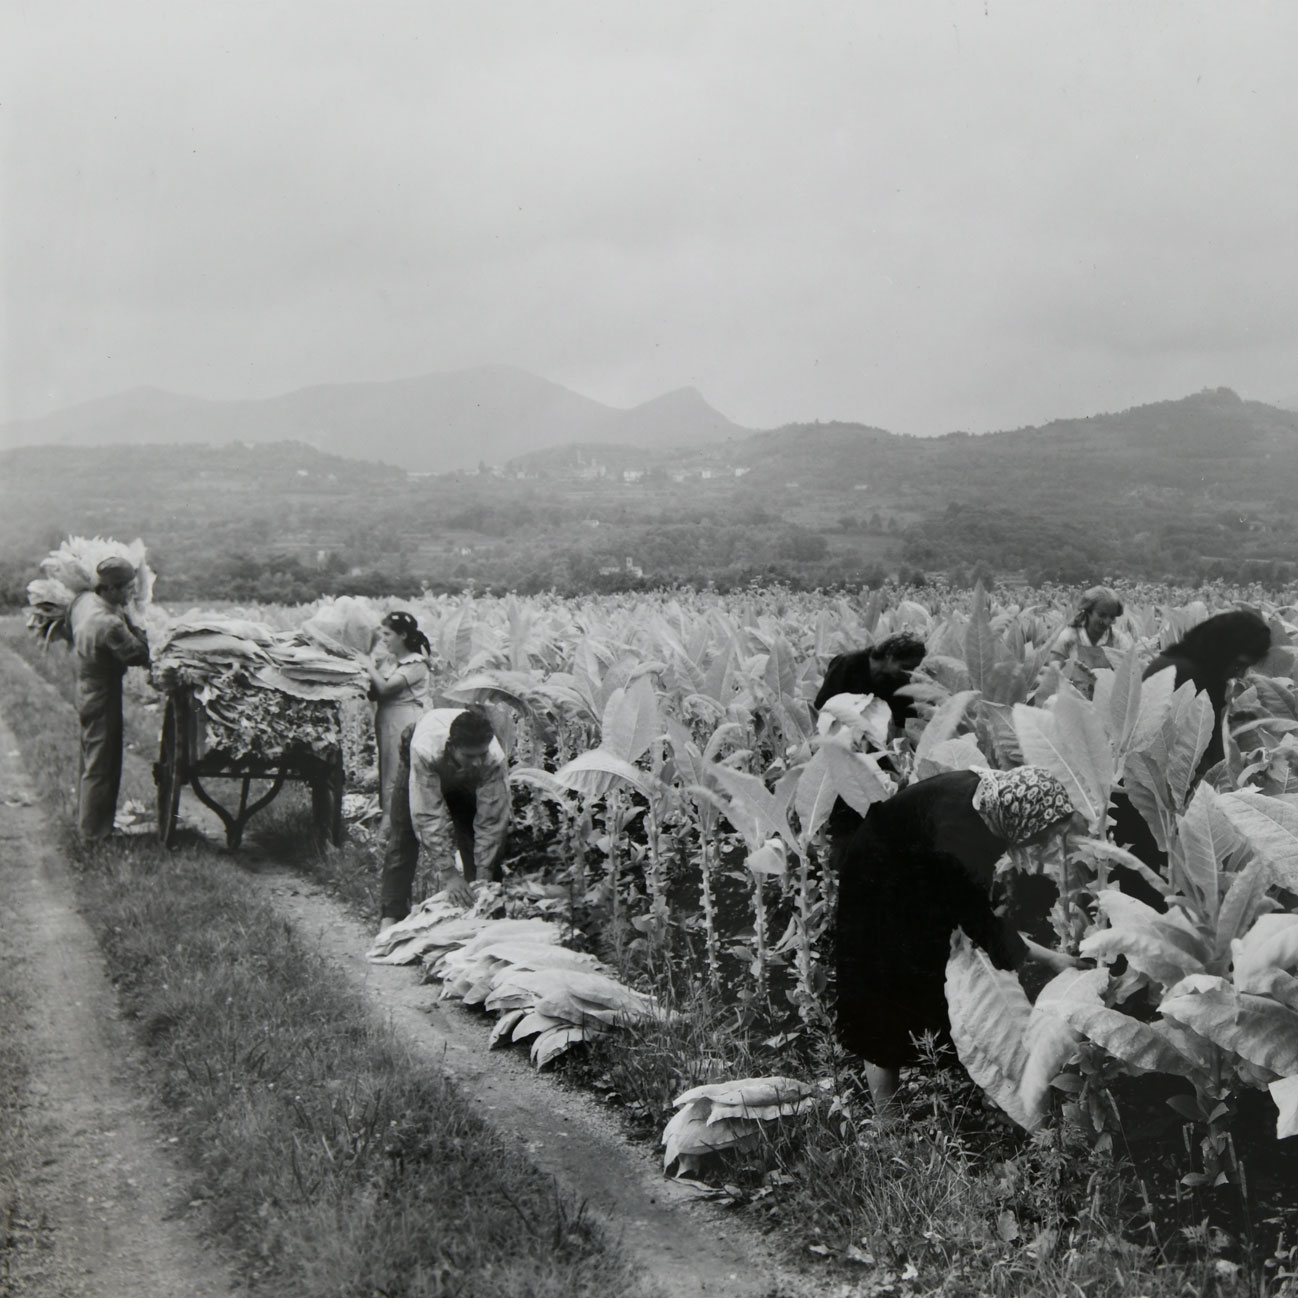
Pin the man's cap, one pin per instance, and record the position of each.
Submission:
(115, 570)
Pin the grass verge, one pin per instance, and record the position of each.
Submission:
(329, 1160)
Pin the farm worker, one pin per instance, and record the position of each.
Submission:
(105, 644)
(881, 670)
(451, 798)
(399, 685)
(1210, 656)
(1079, 649)
(920, 866)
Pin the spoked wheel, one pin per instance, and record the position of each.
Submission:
(168, 775)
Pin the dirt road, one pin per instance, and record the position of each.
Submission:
(95, 1199)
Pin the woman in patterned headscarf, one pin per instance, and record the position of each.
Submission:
(920, 866)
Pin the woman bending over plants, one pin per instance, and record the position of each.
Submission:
(1213, 654)
(1210, 656)
(920, 866)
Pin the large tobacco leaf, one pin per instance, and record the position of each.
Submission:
(1257, 1029)
(1068, 739)
(1270, 827)
(1163, 947)
(1011, 1049)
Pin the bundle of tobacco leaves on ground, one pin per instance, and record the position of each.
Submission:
(69, 571)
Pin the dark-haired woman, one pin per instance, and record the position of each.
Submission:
(920, 866)
(1209, 655)
(1212, 655)
(399, 686)
(881, 670)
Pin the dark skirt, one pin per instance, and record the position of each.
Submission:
(898, 907)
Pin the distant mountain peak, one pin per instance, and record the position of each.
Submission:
(686, 396)
(432, 423)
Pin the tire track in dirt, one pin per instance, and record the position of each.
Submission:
(98, 1204)
(687, 1244)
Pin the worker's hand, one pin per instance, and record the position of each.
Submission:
(1058, 961)
(1055, 961)
(457, 889)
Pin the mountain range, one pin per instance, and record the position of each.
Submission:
(1198, 487)
(435, 423)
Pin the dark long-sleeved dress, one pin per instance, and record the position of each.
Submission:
(920, 865)
(1215, 684)
(849, 673)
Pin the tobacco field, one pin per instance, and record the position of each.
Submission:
(672, 788)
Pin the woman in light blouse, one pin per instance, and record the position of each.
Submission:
(1079, 649)
(399, 685)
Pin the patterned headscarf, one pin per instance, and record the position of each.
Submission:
(1018, 805)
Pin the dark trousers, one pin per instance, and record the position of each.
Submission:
(99, 772)
(401, 851)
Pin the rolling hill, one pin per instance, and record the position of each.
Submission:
(435, 423)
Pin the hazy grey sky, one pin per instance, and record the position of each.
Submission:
(925, 215)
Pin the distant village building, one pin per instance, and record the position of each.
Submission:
(588, 469)
(628, 567)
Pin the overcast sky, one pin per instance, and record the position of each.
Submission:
(925, 215)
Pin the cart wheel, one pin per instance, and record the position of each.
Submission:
(327, 805)
(168, 775)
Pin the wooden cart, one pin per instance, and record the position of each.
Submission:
(185, 756)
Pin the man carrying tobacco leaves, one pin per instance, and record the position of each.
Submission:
(450, 797)
(105, 644)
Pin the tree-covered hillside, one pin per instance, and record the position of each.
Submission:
(1191, 489)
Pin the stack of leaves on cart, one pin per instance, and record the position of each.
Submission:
(248, 721)
(263, 692)
(69, 571)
